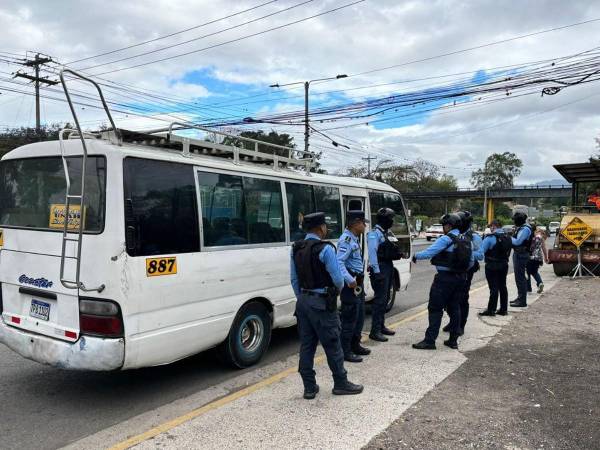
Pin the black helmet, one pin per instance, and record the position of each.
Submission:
(466, 220)
(519, 218)
(453, 220)
(385, 218)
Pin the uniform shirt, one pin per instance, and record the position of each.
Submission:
(349, 255)
(375, 238)
(490, 241)
(522, 236)
(476, 245)
(442, 244)
(327, 257)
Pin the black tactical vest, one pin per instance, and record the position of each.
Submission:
(497, 256)
(312, 273)
(526, 245)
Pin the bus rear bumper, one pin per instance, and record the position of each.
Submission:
(88, 353)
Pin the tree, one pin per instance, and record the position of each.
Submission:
(499, 171)
(419, 176)
(272, 137)
(16, 137)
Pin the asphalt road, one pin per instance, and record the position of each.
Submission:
(43, 407)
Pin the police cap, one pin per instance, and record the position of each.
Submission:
(355, 216)
(313, 220)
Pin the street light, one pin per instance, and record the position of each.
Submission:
(306, 86)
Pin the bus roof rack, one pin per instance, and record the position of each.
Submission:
(220, 144)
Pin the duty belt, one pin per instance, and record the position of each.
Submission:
(315, 294)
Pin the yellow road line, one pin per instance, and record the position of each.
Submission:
(215, 404)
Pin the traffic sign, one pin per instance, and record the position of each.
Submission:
(577, 231)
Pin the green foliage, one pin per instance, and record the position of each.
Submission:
(499, 171)
(16, 137)
(272, 137)
(420, 176)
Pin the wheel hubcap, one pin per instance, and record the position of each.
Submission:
(251, 334)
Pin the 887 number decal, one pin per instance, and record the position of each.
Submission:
(161, 266)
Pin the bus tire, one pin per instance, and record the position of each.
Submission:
(562, 269)
(391, 298)
(248, 338)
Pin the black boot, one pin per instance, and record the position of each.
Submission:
(487, 312)
(352, 357)
(387, 331)
(378, 337)
(347, 388)
(518, 304)
(311, 393)
(360, 350)
(452, 342)
(502, 313)
(424, 345)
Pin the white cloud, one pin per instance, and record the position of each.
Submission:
(376, 33)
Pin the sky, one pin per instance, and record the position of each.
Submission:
(226, 80)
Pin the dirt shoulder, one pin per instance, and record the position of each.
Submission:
(536, 385)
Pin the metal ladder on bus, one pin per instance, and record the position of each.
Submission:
(73, 233)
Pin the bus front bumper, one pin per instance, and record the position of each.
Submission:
(88, 353)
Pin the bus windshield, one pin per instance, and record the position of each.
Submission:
(32, 193)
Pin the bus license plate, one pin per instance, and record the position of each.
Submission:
(39, 310)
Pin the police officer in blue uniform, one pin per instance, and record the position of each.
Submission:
(521, 245)
(447, 287)
(381, 270)
(496, 247)
(466, 229)
(316, 280)
(350, 259)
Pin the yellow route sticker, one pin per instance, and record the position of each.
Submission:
(156, 267)
(57, 216)
(577, 231)
(1, 238)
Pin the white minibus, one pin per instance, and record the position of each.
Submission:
(126, 250)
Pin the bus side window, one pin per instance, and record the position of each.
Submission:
(160, 208)
(304, 199)
(240, 210)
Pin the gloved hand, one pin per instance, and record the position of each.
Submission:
(414, 259)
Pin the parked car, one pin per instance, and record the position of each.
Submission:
(434, 231)
(553, 227)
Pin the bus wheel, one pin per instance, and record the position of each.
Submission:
(391, 298)
(248, 338)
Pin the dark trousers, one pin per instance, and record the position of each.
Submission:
(318, 325)
(446, 293)
(496, 279)
(464, 302)
(533, 267)
(381, 285)
(520, 260)
(353, 318)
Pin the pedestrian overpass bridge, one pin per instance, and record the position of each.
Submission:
(490, 195)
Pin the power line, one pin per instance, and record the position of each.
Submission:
(168, 47)
(172, 34)
(234, 40)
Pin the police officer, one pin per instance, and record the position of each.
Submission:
(496, 247)
(521, 244)
(316, 280)
(381, 270)
(350, 259)
(447, 287)
(466, 229)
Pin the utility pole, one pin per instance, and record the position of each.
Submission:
(368, 160)
(36, 63)
(306, 124)
(306, 88)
